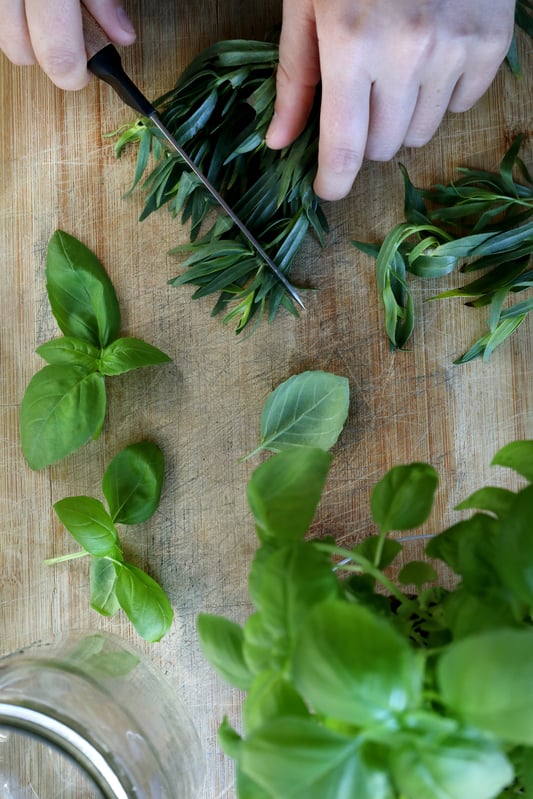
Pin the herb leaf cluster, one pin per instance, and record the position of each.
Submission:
(482, 222)
(64, 404)
(131, 486)
(219, 111)
(362, 684)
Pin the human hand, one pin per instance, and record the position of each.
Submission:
(389, 70)
(49, 33)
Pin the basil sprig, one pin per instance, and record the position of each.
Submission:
(480, 222)
(64, 404)
(131, 486)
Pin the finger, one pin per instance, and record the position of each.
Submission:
(344, 117)
(14, 36)
(391, 109)
(297, 75)
(432, 103)
(111, 15)
(473, 84)
(57, 40)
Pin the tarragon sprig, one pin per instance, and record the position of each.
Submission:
(483, 217)
(219, 111)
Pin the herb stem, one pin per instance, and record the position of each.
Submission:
(63, 558)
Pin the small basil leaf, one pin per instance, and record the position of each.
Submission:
(307, 410)
(128, 353)
(62, 409)
(81, 294)
(371, 545)
(103, 577)
(493, 499)
(517, 455)
(89, 523)
(229, 739)
(143, 601)
(68, 350)
(403, 498)
(132, 483)
(221, 641)
(417, 572)
(283, 493)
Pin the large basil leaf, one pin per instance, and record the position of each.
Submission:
(403, 498)
(269, 697)
(81, 294)
(352, 665)
(144, 602)
(132, 483)
(63, 408)
(517, 455)
(513, 547)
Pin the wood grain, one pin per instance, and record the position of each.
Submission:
(58, 170)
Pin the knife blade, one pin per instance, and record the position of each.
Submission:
(104, 61)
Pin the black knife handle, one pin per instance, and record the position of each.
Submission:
(106, 64)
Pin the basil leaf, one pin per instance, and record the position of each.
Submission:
(283, 493)
(271, 695)
(517, 455)
(81, 294)
(403, 498)
(144, 602)
(257, 646)
(417, 572)
(67, 350)
(103, 576)
(221, 641)
(501, 702)
(514, 548)
(307, 410)
(132, 483)
(63, 408)
(354, 666)
(89, 523)
(128, 353)
(450, 768)
(493, 499)
(296, 758)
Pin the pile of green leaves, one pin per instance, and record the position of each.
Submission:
(64, 404)
(219, 111)
(131, 486)
(481, 222)
(361, 684)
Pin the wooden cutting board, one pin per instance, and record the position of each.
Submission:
(58, 170)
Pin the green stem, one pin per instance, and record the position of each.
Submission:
(64, 558)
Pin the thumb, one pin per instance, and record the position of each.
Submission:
(297, 76)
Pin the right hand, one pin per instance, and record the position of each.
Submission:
(49, 33)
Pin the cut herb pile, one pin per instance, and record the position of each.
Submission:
(354, 685)
(64, 404)
(484, 217)
(131, 486)
(219, 111)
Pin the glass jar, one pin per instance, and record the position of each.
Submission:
(90, 717)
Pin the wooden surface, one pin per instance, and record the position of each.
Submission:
(58, 171)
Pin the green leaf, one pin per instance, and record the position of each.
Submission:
(128, 353)
(453, 768)
(222, 642)
(296, 758)
(103, 577)
(89, 523)
(403, 498)
(517, 455)
(388, 549)
(491, 498)
(144, 602)
(81, 294)
(486, 681)
(229, 738)
(283, 493)
(354, 666)
(71, 351)
(257, 649)
(62, 409)
(514, 548)
(133, 481)
(269, 697)
(417, 572)
(307, 410)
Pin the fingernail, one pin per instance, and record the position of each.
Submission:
(270, 137)
(124, 21)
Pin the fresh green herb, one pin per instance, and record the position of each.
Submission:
(131, 486)
(483, 217)
(524, 20)
(308, 409)
(65, 402)
(355, 687)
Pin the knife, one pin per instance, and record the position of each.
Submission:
(104, 61)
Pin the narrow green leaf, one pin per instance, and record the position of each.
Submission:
(90, 525)
(70, 351)
(62, 409)
(128, 353)
(133, 481)
(81, 294)
(222, 644)
(403, 498)
(144, 602)
(103, 577)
